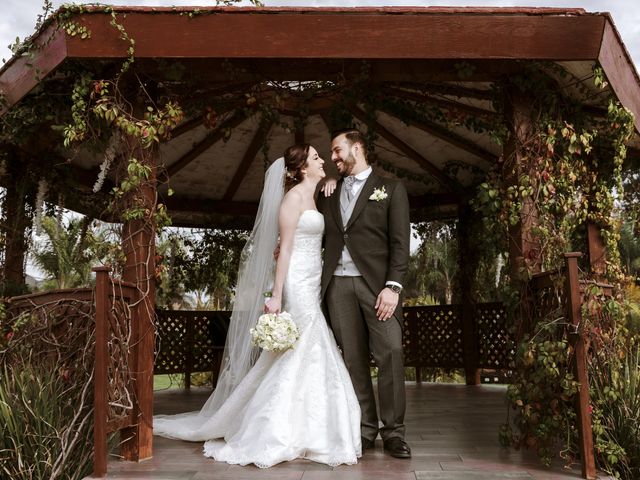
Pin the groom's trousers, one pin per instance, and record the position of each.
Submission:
(352, 314)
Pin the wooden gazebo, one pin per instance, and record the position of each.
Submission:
(230, 62)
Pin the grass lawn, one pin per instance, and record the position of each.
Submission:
(163, 382)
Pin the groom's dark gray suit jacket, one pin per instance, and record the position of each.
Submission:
(377, 234)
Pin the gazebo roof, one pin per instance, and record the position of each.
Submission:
(446, 58)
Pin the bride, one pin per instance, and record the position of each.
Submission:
(296, 404)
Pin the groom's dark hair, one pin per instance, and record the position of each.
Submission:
(353, 135)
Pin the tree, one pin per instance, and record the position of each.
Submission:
(199, 269)
(68, 252)
(433, 268)
(171, 293)
(629, 245)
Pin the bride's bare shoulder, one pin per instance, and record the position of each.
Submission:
(292, 197)
(291, 201)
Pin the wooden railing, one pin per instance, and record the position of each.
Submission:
(567, 300)
(69, 313)
(114, 398)
(193, 341)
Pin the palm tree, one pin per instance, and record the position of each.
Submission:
(67, 253)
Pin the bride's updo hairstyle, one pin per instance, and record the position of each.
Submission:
(295, 159)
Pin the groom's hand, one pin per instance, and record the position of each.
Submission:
(386, 304)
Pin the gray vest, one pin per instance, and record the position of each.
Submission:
(346, 267)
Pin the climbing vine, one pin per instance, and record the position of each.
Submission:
(564, 171)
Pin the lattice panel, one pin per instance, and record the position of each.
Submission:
(433, 336)
(202, 344)
(171, 340)
(190, 341)
(493, 341)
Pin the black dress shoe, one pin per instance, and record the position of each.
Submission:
(397, 448)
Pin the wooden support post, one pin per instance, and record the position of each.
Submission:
(574, 306)
(14, 224)
(467, 272)
(100, 373)
(524, 250)
(418, 375)
(138, 237)
(596, 250)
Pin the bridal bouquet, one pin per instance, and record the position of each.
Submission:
(275, 332)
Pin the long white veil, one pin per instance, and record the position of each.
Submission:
(255, 276)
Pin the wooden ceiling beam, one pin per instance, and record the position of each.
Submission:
(449, 137)
(218, 134)
(342, 33)
(198, 120)
(416, 71)
(198, 92)
(624, 81)
(185, 206)
(23, 73)
(187, 126)
(458, 38)
(409, 152)
(456, 90)
(249, 156)
(231, 104)
(440, 102)
(204, 206)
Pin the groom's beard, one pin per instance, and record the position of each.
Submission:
(348, 163)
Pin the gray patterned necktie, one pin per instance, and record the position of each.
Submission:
(348, 183)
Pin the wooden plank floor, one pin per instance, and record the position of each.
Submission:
(452, 430)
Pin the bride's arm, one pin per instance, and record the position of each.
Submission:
(288, 220)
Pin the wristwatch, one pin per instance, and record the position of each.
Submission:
(395, 288)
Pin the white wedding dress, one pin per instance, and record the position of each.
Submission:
(296, 404)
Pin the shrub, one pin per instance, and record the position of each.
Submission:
(46, 421)
(46, 392)
(615, 394)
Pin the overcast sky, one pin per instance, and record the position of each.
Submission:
(17, 17)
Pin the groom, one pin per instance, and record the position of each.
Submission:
(366, 254)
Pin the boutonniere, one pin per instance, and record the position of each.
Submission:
(378, 194)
